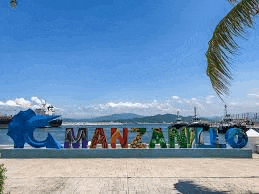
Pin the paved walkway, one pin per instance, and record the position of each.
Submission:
(132, 175)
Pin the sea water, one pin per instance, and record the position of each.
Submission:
(41, 134)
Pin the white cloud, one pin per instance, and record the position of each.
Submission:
(254, 95)
(22, 102)
(209, 99)
(37, 100)
(175, 97)
(152, 107)
(206, 106)
(10, 103)
(127, 104)
(12, 106)
(16, 102)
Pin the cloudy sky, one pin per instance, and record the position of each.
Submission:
(92, 58)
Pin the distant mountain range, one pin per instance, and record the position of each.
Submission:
(109, 118)
(134, 118)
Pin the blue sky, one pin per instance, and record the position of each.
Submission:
(91, 58)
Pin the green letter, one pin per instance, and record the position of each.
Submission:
(157, 138)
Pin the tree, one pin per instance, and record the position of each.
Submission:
(13, 4)
(2, 177)
(222, 44)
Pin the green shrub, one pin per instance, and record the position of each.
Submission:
(2, 177)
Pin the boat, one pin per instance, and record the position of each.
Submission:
(4, 120)
(55, 123)
(49, 110)
(178, 123)
(197, 122)
(228, 122)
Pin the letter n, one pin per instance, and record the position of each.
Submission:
(99, 137)
(172, 133)
(115, 133)
(70, 138)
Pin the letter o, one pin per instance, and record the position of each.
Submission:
(242, 138)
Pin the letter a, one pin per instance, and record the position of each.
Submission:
(99, 132)
(157, 138)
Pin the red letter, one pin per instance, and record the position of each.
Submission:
(102, 140)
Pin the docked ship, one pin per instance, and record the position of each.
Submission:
(49, 110)
(4, 120)
(228, 122)
(197, 122)
(178, 123)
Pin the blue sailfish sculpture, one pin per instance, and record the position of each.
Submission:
(22, 126)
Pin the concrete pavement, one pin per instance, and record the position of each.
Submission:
(173, 175)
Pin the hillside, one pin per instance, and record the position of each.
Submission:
(134, 118)
(113, 117)
(166, 118)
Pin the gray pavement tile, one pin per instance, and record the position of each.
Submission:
(66, 185)
(65, 168)
(132, 175)
(192, 168)
(230, 185)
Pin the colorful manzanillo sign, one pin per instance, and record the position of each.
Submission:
(24, 123)
(185, 137)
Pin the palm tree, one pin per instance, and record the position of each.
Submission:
(13, 4)
(222, 43)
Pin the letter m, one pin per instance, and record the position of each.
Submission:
(70, 138)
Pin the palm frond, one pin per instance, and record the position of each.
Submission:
(13, 4)
(222, 43)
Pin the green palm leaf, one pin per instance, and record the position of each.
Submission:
(222, 43)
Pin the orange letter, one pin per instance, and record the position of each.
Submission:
(115, 133)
